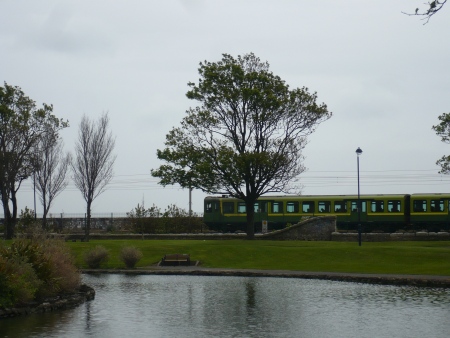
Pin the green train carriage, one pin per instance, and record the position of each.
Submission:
(382, 212)
(430, 212)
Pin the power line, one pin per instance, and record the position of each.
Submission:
(141, 182)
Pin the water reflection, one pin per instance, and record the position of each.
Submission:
(188, 306)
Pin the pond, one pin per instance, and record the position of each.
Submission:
(199, 306)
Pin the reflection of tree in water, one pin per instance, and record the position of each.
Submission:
(252, 319)
(88, 317)
(250, 293)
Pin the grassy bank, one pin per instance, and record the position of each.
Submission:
(424, 258)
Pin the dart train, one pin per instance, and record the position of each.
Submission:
(387, 213)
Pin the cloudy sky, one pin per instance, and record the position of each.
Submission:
(384, 75)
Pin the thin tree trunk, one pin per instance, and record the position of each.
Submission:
(87, 228)
(44, 216)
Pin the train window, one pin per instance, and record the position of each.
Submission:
(228, 207)
(437, 205)
(377, 206)
(394, 206)
(340, 206)
(260, 207)
(208, 207)
(324, 206)
(308, 207)
(355, 206)
(263, 206)
(292, 207)
(277, 207)
(241, 208)
(420, 206)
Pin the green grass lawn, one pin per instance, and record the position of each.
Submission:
(430, 258)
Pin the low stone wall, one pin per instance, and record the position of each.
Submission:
(200, 236)
(61, 302)
(393, 237)
(312, 229)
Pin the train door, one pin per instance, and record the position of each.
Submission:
(261, 214)
(354, 211)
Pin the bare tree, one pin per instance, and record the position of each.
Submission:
(431, 9)
(50, 172)
(94, 160)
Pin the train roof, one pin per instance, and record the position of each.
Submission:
(269, 197)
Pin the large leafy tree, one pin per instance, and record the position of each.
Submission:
(443, 131)
(245, 137)
(94, 161)
(22, 126)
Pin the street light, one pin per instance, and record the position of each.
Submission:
(359, 152)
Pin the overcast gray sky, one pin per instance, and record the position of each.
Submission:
(385, 76)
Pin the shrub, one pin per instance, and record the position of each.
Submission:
(96, 257)
(130, 256)
(31, 269)
(18, 282)
(65, 276)
(27, 225)
(32, 253)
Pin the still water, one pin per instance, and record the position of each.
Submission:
(195, 306)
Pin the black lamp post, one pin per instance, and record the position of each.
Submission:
(359, 152)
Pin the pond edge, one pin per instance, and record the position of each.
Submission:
(60, 302)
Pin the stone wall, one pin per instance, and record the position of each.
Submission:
(387, 237)
(312, 229)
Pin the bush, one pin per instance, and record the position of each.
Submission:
(96, 257)
(33, 253)
(27, 225)
(18, 282)
(130, 256)
(34, 270)
(65, 276)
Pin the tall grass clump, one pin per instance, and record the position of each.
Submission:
(130, 256)
(33, 269)
(96, 256)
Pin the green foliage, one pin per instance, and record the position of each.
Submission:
(18, 281)
(32, 253)
(26, 217)
(27, 224)
(443, 131)
(130, 255)
(22, 125)
(172, 220)
(96, 256)
(246, 136)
